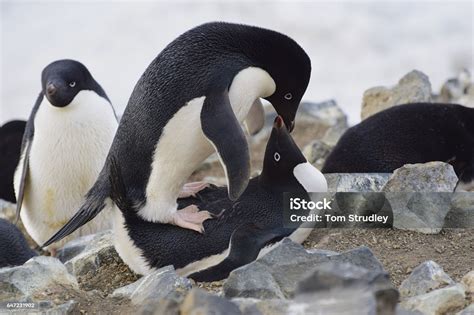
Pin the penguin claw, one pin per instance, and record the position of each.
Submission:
(191, 218)
(191, 189)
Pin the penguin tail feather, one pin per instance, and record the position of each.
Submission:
(94, 204)
(118, 192)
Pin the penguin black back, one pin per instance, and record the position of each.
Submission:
(406, 134)
(11, 135)
(14, 249)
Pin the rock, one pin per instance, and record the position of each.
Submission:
(327, 118)
(7, 210)
(426, 277)
(400, 310)
(163, 283)
(322, 252)
(200, 302)
(345, 182)
(316, 153)
(461, 214)
(440, 301)
(127, 291)
(455, 88)
(414, 192)
(35, 276)
(253, 280)
(412, 88)
(251, 306)
(467, 311)
(100, 251)
(160, 307)
(468, 281)
(65, 308)
(76, 246)
(360, 256)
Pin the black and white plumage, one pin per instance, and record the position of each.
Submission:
(67, 137)
(11, 134)
(14, 249)
(252, 222)
(189, 103)
(406, 134)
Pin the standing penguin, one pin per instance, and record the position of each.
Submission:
(190, 102)
(243, 227)
(11, 134)
(408, 134)
(65, 144)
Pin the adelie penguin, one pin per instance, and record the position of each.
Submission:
(67, 137)
(189, 103)
(253, 222)
(406, 134)
(14, 249)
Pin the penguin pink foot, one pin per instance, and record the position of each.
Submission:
(191, 218)
(191, 189)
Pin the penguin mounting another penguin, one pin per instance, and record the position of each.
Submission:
(407, 134)
(243, 227)
(11, 134)
(14, 249)
(67, 137)
(189, 103)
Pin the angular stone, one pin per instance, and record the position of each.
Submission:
(360, 256)
(345, 182)
(415, 194)
(468, 281)
(251, 306)
(163, 283)
(440, 301)
(7, 210)
(426, 277)
(316, 152)
(35, 276)
(467, 311)
(127, 290)
(198, 301)
(253, 280)
(99, 252)
(461, 214)
(76, 246)
(412, 88)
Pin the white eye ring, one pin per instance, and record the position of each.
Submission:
(288, 96)
(276, 156)
(72, 84)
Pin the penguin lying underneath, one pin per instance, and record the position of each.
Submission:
(67, 138)
(14, 249)
(407, 134)
(11, 134)
(243, 227)
(189, 103)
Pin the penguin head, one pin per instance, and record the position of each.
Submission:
(285, 167)
(62, 80)
(290, 68)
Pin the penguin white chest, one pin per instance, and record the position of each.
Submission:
(69, 148)
(183, 146)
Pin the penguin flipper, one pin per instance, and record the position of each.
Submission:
(255, 118)
(23, 165)
(244, 247)
(222, 129)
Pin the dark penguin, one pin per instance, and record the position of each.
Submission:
(67, 137)
(14, 249)
(252, 222)
(11, 134)
(189, 103)
(406, 134)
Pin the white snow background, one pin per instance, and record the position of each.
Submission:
(353, 45)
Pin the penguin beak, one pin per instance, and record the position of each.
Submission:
(51, 89)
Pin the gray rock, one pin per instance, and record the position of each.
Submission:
(413, 87)
(440, 301)
(455, 88)
(360, 256)
(76, 246)
(127, 290)
(467, 311)
(251, 306)
(100, 251)
(415, 194)
(345, 182)
(7, 210)
(400, 310)
(163, 283)
(253, 280)
(35, 276)
(461, 214)
(316, 152)
(426, 277)
(468, 282)
(63, 309)
(160, 307)
(200, 302)
(322, 252)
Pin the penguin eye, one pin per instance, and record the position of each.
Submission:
(288, 96)
(276, 156)
(72, 84)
